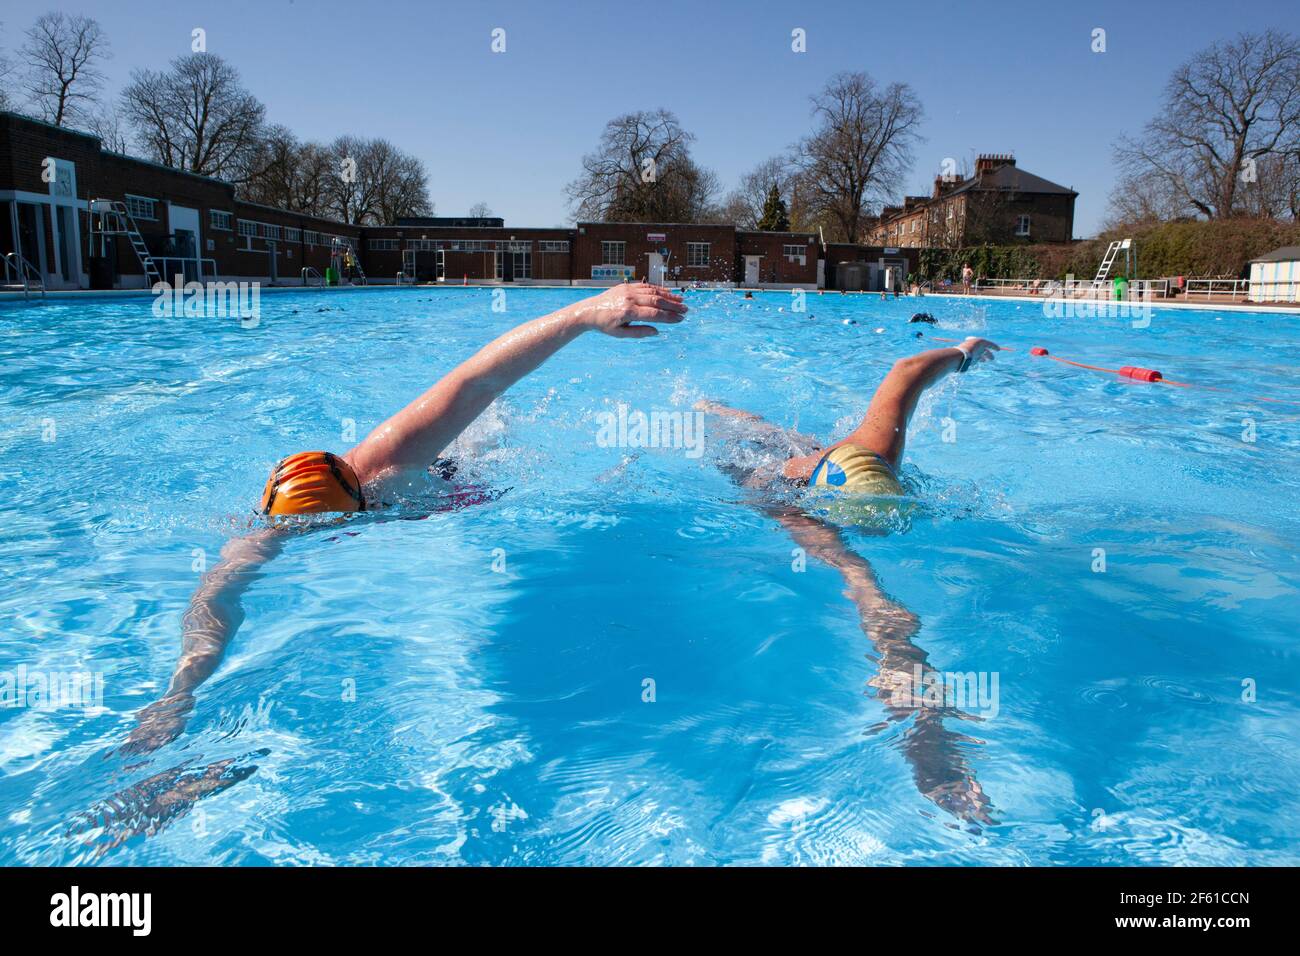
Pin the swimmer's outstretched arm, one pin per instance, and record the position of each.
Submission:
(214, 614)
(409, 441)
(938, 766)
(884, 429)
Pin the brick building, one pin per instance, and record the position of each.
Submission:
(998, 204)
(56, 183)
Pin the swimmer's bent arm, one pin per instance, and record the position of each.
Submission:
(884, 429)
(214, 614)
(411, 439)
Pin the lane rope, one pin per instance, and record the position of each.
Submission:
(1134, 373)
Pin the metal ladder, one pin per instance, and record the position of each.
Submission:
(14, 263)
(337, 248)
(115, 220)
(308, 272)
(1103, 270)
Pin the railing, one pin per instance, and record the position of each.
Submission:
(308, 272)
(167, 272)
(25, 272)
(1264, 290)
(1209, 287)
(404, 279)
(1076, 288)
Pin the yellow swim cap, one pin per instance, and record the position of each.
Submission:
(854, 469)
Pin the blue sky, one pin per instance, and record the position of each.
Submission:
(510, 129)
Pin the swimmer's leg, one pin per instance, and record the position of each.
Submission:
(782, 442)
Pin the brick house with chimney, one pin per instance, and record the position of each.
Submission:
(999, 204)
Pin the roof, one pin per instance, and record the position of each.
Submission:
(1281, 254)
(452, 222)
(1014, 178)
(1004, 178)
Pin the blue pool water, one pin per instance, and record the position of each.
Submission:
(471, 687)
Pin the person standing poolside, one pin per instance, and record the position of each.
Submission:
(967, 274)
(400, 451)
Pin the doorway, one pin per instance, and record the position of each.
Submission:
(751, 270)
(31, 237)
(655, 272)
(184, 223)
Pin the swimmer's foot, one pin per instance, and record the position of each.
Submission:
(711, 407)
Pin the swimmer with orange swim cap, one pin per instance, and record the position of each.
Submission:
(405, 445)
(399, 451)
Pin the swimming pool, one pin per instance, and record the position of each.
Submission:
(620, 658)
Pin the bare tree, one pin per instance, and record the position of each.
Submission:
(1226, 112)
(274, 170)
(747, 201)
(353, 179)
(480, 210)
(642, 171)
(196, 116)
(374, 182)
(60, 59)
(106, 123)
(859, 152)
(6, 69)
(403, 188)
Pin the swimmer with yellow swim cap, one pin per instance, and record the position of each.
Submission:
(860, 475)
(865, 462)
(396, 455)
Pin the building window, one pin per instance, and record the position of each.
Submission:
(471, 245)
(915, 223)
(421, 245)
(553, 245)
(613, 253)
(383, 245)
(141, 208)
(311, 237)
(268, 231)
(1022, 226)
(247, 228)
(697, 254)
(794, 253)
(293, 235)
(220, 220)
(951, 211)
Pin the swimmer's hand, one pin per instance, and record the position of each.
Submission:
(980, 350)
(160, 723)
(620, 310)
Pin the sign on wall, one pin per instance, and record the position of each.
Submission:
(613, 272)
(656, 237)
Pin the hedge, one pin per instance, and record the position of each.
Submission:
(1190, 248)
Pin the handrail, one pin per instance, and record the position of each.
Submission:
(1235, 286)
(1076, 288)
(184, 259)
(17, 263)
(308, 271)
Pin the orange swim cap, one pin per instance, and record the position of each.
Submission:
(312, 482)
